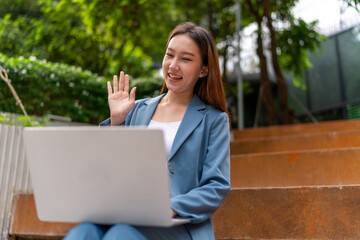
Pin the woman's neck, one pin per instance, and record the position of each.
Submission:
(172, 107)
(172, 98)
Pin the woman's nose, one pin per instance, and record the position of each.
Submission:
(174, 65)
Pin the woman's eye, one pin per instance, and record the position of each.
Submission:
(169, 55)
(186, 59)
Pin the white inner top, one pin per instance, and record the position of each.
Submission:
(169, 129)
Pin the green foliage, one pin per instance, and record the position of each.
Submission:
(19, 8)
(353, 3)
(294, 39)
(294, 43)
(217, 16)
(8, 119)
(128, 28)
(53, 88)
(59, 89)
(232, 90)
(59, 31)
(147, 87)
(282, 9)
(105, 36)
(353, 111)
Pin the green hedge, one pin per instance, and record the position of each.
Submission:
(59, 89)
(21, 120)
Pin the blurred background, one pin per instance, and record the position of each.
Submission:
(282, 62)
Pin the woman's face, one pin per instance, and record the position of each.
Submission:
(182, 65)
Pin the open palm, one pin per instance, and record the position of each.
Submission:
(119, 98)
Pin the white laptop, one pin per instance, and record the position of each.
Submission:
(102, 175)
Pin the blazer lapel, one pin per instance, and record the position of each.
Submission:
(190, 121)
(148, 112)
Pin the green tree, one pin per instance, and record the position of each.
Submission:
(63, 31)
(106, 36)
(353, 3)
(132, 32)
(17, 8)
(290, 42)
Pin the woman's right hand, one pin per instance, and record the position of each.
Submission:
(120, 101)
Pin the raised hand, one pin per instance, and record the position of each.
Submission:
(120, 101)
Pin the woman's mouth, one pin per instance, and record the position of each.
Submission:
(174, 77)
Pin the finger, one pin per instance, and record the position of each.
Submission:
(121, 82)
(109, 88)
(132, 94)
(126, 84)
(115, 83)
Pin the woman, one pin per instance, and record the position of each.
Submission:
(192, 113)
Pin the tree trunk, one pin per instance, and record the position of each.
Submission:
(211, 19)
(287, 116)
(267, 96)
(224, 54)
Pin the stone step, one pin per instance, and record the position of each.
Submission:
(322, 212)
(333, 140)
(24, 223)
(297, 129)
(304, 168)
(331, 212)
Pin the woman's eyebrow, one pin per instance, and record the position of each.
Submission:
(184, 53)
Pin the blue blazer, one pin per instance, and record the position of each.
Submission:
(199, 161)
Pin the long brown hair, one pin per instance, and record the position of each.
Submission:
(210, 88)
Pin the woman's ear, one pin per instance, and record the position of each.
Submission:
(204, 71)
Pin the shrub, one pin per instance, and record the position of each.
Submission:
(21, 120)
(59, 89)
(147, 87)
(53, 88)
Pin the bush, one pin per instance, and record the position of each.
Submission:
(59, 89)
(21, 120)
(147, 87)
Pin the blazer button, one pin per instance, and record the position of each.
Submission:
(171, 169)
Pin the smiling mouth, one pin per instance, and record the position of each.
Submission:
(174, 77)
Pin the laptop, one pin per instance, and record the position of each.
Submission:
(102, 175)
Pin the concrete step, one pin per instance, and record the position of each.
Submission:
(333, 140)
(24, 223)
(297, 129)
(331, 212)
(322, 212)
(304, 168)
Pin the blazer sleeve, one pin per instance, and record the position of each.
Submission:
(105, 123)
(201, 202)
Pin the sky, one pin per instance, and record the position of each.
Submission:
(327, 12)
